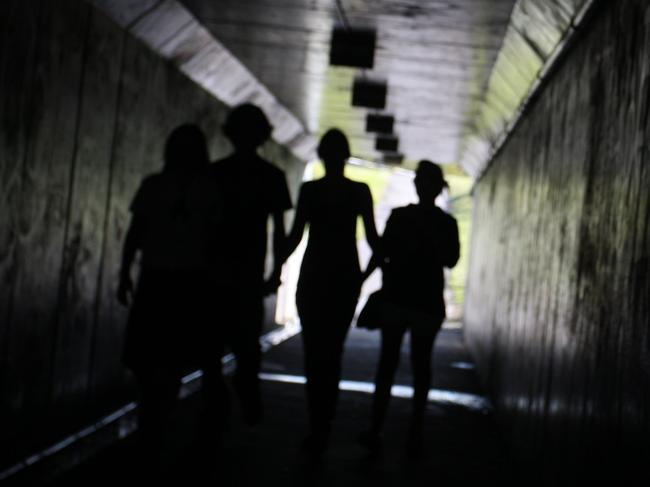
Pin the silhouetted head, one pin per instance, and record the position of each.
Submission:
(429, 181)
(186, 150)
(334, 150)
(247, 127)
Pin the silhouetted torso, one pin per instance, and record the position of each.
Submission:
(167, 305)
(173, 233)
(331, 263)
(252, 189)
(418, 241)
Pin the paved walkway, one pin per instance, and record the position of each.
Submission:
(461, 442)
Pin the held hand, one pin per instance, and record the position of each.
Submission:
(125, 291)
(366, 274)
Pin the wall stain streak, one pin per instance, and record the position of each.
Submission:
(557, 311)
(85, 109)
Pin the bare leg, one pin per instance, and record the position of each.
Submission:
(421, 348)
(245, 343)
(391, 341)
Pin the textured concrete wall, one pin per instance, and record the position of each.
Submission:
(84, 113)
(557, 311)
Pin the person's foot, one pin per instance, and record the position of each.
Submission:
(371, 440)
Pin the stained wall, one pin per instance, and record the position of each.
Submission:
(84, 113)
(558, 303)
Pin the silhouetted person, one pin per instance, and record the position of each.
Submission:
(167, 304)
(330, 277)
(252, 190)
(419, 240)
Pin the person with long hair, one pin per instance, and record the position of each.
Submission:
(330, 277)
(166, 307)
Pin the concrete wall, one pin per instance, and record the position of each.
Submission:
(84, 113)
(558, 304)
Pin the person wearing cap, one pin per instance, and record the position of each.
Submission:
(330, 277)
(419, 241)
(251, 190)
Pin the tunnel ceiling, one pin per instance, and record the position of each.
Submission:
(435, 55)
(538, 33)
(459, 72)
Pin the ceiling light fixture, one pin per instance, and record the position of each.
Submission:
(387, 144)
(353, 47)
(382, 124)
(370, 94)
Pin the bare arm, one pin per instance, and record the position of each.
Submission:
(279, 238)
(297, 229)
(283, 246)
(368, 216)
(452, 253)
(375, 261)
(279, 242)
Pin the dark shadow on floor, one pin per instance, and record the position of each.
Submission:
(462, 445)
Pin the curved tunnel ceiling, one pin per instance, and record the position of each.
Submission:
(435, 55)
(458, 71)
(538, 32)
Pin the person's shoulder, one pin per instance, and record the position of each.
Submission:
(444, 216)
(398, 221)
(410, 209)
(220, 165)
(153, 178)
(270, 169)
(150, 189)
(151, 182)
(401, 215)
(308, 187)
(313, 190)
(403, 211)
(221, 172)
(358, 187)
(445, 221)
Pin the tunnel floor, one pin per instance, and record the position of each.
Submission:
(462, 443)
